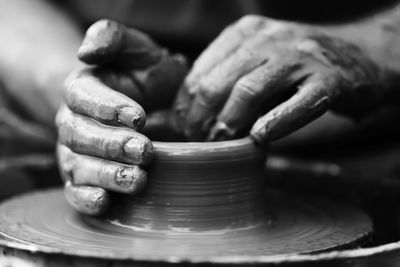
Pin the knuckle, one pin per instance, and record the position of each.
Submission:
(103, 22)
(73, 93)
(60, 118)
(65, 162)
(65, 133)
(69, 92)
(247, 89)
(209, 91)
(276, 28)
(251, 22)
(314, 50)
(309, 46)
(68, 131)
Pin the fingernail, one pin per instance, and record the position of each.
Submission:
(124, 178)
(131, 180)
(220, 131)
(130, 117)
(139, 150)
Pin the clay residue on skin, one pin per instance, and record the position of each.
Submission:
(322, 53)
(124, 178)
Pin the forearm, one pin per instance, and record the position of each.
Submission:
(38, 48)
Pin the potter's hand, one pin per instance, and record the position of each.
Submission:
(100, 147)
(274, 77)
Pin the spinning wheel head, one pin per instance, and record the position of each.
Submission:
(292, 225)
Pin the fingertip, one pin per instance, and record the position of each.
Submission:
(87, 199)
(139, 150)
(130, 180)
(148, 152)
(133, 117)
(101, 42)
(140, 180)
(259, 132)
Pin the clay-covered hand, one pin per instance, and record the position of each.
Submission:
(273, 77)
(100, 148)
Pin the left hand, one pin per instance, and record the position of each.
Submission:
(101, 147)
(274, 77)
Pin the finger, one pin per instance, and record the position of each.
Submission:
(226, 44)
(311, 101)
(87, 95)
(180, 107)
(214, 89)
(109, 43)
(221, 48)
(87, 199)
(249, 94)
(88, 137)
(120, 81)
(160, 82)
(154, 88)
(87, 170)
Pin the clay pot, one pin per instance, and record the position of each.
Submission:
(196, 187)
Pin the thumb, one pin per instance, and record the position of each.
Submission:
(146, 67)
(107, 42)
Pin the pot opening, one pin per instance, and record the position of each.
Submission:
(159, 128)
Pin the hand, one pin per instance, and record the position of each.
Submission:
(274, 77)
(100, 148)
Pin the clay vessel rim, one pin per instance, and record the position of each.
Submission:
(246, 141)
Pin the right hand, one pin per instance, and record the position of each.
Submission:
(100, 148)
(269, 78)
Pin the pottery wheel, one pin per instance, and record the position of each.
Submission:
(294, 225)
